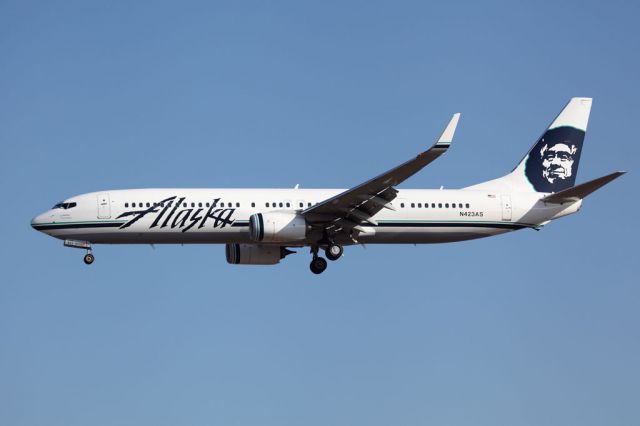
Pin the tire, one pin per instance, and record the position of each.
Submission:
(334, 252)
(88, 258)
(318, 265)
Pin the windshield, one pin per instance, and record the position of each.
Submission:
(65, 206)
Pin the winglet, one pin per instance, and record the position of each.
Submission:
(579, 192)
(447, 136)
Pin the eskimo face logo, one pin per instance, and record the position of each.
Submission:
(557, 161)
(552, 163)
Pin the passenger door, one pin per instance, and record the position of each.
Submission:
(104, 206)
(506, 207)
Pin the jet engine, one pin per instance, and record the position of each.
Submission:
(277, 227)
(254, 254)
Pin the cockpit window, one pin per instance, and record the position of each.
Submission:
(65, 206)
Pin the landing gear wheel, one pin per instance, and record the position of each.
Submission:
(334, 251)
(318, 265)
(88, 258)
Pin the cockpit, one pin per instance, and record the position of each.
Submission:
(64, 206)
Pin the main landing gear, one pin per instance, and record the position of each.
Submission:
(318, 264)
(85, 245)
(334, 251)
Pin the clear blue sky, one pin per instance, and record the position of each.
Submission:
(531, 328)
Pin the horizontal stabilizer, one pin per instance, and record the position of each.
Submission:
(580, 191)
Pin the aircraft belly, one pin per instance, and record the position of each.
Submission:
(429, 235)
(240, 234)
(118, 236)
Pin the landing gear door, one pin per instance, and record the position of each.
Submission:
(104, 206)
(506, 207)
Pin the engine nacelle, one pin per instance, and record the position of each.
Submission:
(277, 227)
(254, 254)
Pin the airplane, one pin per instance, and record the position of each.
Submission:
(261, 226)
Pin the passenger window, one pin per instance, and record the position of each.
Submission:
(467, 205)
(280, 204)
(253, 204)
(301, 205)
(148, 205)
(413, 205)
(288, 204)
(308, 204)
(184, 204)
(459, 205)
(446, 205)
(419, 205)
(126, 204)
(208, 205)
(439, 205)
(402, 205)
(237, 204)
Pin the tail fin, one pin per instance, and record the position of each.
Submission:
(552, 164)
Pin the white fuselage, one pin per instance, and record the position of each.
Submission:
(218, 216)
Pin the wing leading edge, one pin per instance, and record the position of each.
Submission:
(353, 207)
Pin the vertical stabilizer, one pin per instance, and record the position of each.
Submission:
(552, 164)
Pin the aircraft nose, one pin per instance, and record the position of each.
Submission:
(37, 221)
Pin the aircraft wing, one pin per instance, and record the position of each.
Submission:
(353, 207)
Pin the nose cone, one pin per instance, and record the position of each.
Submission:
(35, 221)
(38, 221)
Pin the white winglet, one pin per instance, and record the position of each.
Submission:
(447, 136)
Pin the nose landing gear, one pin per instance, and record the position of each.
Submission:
(86, 245)
(89, 258)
